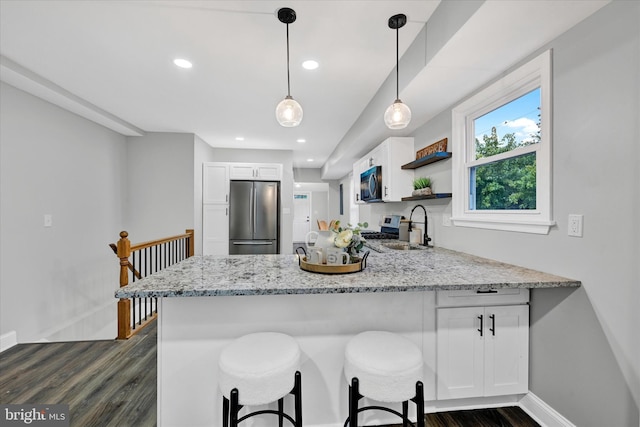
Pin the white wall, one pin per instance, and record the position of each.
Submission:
(160, 188)
(585, 344)
(57, 283)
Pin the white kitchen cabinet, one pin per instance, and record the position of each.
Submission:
(358, 167)
(391, 154)
(482, 351)
(255, 171)
(215, 229)
(396, 182)
(215, 183)
(215, 208)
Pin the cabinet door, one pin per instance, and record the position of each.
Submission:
(268, 171)
(215, 229)
(358, 168)
(398, 182)
(387, 172)
(459, 352)
(375, 157)
(242, 171)
(215, 183)
(506, 363)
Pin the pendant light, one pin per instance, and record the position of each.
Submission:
(398, 115)
(288, 111)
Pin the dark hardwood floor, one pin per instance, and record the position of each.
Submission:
(113, 383)
(105, 383)
(496, 417)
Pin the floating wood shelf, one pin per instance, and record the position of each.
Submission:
(430, 196)
(431, 158)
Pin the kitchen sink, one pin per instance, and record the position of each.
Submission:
(403, 246)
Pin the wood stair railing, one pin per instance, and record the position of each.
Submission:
(146, 258)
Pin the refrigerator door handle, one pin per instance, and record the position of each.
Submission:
(255, 210)
(252, 243)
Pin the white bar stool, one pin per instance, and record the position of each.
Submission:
(386, 367)
(257, 369)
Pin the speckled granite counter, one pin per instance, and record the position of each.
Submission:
(387, 271)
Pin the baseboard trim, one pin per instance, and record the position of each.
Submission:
(8, 340)
(542, 413)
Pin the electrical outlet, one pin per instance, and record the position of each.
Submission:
(446, 220)
(575, 225)
(48, 220)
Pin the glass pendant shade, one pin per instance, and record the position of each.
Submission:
(289, 112)
(397, 116)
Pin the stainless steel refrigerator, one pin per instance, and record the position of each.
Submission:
(254, 217)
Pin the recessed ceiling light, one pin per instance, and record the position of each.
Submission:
(309, 160)
(239, 138)
(310, 64)
(182, 63)
(301, 141)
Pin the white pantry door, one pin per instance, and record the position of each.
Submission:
(301, 215)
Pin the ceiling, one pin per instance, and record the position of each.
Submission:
(111, 61)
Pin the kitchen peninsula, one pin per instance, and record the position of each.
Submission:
(205, 302)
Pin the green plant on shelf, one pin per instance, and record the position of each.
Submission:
(421, 182)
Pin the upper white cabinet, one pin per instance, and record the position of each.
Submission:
(482, 350)
(215, 183)
(255, 171)
(396, 182)
(391, 154)
(358, 167)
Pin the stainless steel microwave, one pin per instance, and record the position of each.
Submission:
(371, 185)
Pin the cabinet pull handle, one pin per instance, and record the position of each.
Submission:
(226, 211)
(226, 198)
(481, 317)
(486, 291)
(385, 190)
(493, 324)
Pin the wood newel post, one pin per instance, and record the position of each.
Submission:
(124, 304)
(190, 232)
(124, 251)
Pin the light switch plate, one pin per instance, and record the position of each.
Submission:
(48, 220)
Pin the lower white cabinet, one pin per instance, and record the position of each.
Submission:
(482, 351)
(215, 229)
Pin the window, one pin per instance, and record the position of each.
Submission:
(502, 145)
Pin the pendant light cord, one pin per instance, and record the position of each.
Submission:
(397, 64)
(288, 79)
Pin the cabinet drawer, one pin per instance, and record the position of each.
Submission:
(482, 297)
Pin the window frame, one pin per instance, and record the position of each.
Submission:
(535, 73)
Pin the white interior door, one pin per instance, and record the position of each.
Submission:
(301, 215)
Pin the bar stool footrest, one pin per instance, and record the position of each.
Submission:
(381, 408)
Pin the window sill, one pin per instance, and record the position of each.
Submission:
(532, 227)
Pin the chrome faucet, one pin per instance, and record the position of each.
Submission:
(426, 239)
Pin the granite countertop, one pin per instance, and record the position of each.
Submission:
(387, 271)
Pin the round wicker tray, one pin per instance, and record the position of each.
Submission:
(329, 268)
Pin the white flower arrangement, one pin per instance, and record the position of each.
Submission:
(349, 238)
